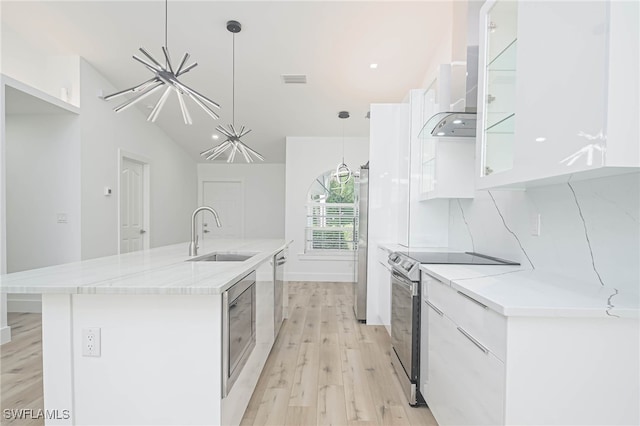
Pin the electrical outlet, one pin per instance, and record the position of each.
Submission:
(535, 225)
(91, 342)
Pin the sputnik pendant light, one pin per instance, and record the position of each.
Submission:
(343, 173)
(165, 75)
(231, 132)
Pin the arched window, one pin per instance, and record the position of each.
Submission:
(332, 215)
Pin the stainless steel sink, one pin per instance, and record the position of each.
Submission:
(223, 257)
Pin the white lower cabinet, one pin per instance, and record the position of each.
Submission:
(384, 295)
(466, 382)
(484, 368)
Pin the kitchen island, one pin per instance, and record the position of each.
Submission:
(159, 319)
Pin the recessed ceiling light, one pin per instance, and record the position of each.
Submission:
(440, 134)
(457, 121)
(215, 137)
(373, 66)
(541, 139)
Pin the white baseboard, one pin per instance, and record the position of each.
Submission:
(5, 335)
(318, 276)
(30, 306)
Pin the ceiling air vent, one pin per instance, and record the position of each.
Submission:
(294, 78)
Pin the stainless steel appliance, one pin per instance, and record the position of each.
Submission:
(405, 323)
(360, 296)
(279, 260)
(238, 328)
(405, 310)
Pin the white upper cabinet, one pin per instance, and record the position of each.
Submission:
(446, 163)
(447, 168)
(558, 91)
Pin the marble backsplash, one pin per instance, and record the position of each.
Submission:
(589, 229)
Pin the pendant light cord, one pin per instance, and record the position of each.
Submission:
(166, 28)
(233, 78)
(343, 141)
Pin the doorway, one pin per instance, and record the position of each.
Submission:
(227, 198)
(134, 204)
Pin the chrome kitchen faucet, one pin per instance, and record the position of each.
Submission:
(193, 245)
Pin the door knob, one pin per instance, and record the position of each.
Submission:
(206, 231)
(142, 231)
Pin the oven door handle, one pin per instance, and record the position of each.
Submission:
(410, 285)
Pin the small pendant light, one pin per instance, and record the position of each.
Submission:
(231, 132)
(343, 173)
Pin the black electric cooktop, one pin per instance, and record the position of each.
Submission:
(467, 258)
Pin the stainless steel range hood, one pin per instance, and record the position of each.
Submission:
(461, 123)
(451, 124)
(458, 123)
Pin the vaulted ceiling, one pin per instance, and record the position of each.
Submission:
(332, 43)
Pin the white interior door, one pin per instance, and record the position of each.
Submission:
(227, 198)
(132, 226)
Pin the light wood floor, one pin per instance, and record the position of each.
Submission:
(327, 369)
(324, 369)
(21, 369)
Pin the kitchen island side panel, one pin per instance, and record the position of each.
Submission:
(160, 360)
(57, 358)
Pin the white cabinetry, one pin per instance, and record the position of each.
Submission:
(558, 91)
(487, 368)
(465, 379)
(445, 167)
(388, 192)
(383, 281)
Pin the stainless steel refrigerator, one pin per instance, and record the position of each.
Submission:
(360, 296)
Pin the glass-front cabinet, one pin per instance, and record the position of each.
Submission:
(500, 98)
(428, 177)
(428, 158)
(554, 91)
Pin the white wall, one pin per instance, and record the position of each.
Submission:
(91, 164)
(263, 191)
(39, 68)
(307, 158)
(173, 172)
(43, 181)
(610, 219)
(5, 330)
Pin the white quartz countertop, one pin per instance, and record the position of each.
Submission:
(389, 247)
(518, 291)
(162, 270)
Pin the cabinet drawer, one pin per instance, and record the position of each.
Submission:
(485, 325)
(466, 384)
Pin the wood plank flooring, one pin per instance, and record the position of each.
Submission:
(324, 369)
(21, 368)
(327, 369)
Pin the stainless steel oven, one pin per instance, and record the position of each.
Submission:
(238, 328)
(405, 324)
(405, 310)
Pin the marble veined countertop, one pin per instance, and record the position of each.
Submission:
(519, 291)
(161, 270)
